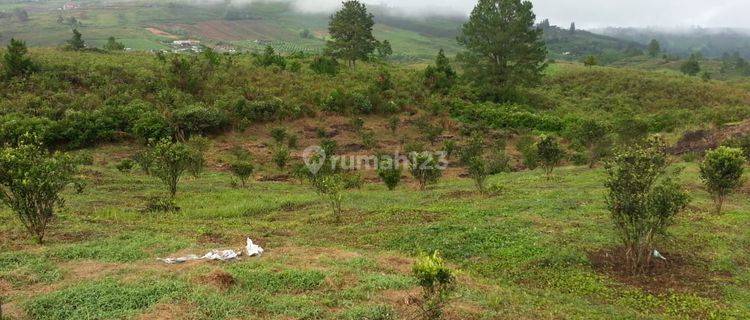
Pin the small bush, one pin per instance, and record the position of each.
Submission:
(263, 110)
(331, 187)
(437, 281)
(352, 180)
(199, 119)
(325, 65)
(242, 169)
(168, 161)
(529, 154)
(550, 153)
(279, 135)
(281, 157)
(31, 179)
(425, 169)
(642, 199)
(368, 139)
(157, 204)
(393, 123)
(292, 141)
(152, 126)
(721, 172)
(125, 166)
(389, 172)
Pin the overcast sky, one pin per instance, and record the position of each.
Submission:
(599, 13)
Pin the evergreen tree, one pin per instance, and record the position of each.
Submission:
(504, 49)
(76, 42)
(590, 61)
(692, 66)
(16, 63)
(113, 45)
(440, 78)
(654, 48)
(384, 49)
(351, 30)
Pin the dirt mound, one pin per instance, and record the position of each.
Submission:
(680, 273)
(701, 140)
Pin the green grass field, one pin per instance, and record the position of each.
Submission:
(529, 251)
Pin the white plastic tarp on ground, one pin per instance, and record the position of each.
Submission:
(251, 250)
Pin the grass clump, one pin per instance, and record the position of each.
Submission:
(106, 299)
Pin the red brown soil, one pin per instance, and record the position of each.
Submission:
(679, 273)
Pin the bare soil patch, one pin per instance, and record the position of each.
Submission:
(679, 273)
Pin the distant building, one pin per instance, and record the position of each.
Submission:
(70, 5)
(225, 48)
(185, 43)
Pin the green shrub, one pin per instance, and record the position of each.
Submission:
(168, 161)
(199, 119)
(125, 166)
(721, 172)
(198, 146)
(157, 204)
(279, 134)
(348, 102)
(437, 281)
(390, 172)
(550, 153)
(593, 136)
(393, 123)
(368, 139)
(642, 200)
(352, 180)
(281, 157)
(152, 126)
(31, 179)
(740, 142)
(331, 187)
(264, 110)
(425, 169)
(269, 58)
(292, 141)
(508, 117)
(530, 155)
(325, 65)
(242, 169)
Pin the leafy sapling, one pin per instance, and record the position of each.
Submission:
(721, 172)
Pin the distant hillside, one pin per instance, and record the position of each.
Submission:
(577, 44)
(712, 43)
(154, 24)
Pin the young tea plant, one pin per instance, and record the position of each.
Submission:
(389, 172)
(169, 161)
(642, 200)
(424, 167)
(721, 172)
(31, 182)
(550, 153)
(437, 282)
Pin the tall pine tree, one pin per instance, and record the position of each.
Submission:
(654, 48)
(504, 49)
(76, 42)
(16, 63)
(351, 30)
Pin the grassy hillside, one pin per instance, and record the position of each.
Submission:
(532, 247)
(536, 250)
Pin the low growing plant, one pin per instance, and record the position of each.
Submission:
(721, 172)
(437, 282)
